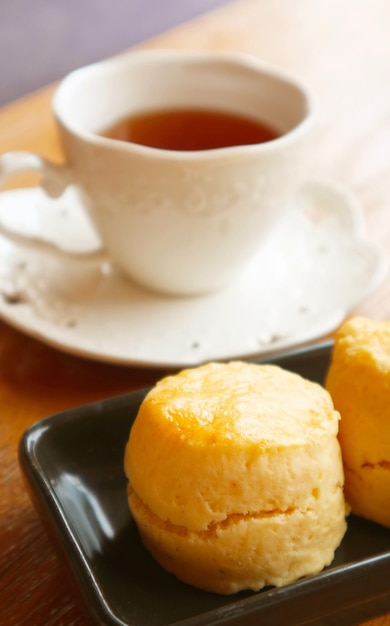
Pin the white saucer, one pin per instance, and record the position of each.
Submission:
(315, 270)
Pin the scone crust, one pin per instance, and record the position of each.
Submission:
(258, 433)
(247, 552)
(235, 476)
(359, 383)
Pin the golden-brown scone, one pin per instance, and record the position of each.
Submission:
(359, 382)
(235, 476)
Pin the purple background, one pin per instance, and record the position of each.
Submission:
(42, 40)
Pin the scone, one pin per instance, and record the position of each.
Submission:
(235, 476)
(359, 382)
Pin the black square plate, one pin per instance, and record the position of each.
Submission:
(73, 463)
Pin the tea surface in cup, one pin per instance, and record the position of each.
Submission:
(190, 129)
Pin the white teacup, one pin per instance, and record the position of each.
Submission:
(177, 221)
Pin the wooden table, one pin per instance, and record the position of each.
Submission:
(341, 49)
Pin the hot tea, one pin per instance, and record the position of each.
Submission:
(187, 220)
(190, 129)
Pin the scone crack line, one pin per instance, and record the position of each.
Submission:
(235, 518)
(366, 466)
(378, 464)
(215, 527)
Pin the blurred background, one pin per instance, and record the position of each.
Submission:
(42, 40)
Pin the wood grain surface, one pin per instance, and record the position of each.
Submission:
(341, 49)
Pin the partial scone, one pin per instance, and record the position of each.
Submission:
(359, 382)
(235, 476)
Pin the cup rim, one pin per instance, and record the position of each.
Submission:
(237, 58)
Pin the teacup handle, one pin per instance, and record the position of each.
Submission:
(55, 178)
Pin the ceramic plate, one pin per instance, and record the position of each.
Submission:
(73, 463)
(316, 268)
